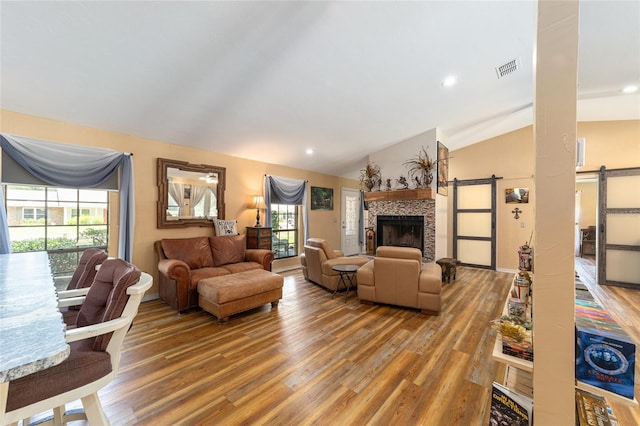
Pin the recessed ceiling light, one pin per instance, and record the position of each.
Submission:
(630, 89)
(449, 81)
(309, 151)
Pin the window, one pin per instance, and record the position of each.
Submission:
(284, 222)
(29, 213)
(83, 212)
(62, 221)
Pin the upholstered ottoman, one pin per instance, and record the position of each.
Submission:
(226, 295)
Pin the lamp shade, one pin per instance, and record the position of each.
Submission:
(258, 201)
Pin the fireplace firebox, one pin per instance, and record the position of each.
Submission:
(400, 231)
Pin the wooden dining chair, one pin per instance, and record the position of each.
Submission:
(96, 341)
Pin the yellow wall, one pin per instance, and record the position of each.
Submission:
(244, 179)
(614, 144)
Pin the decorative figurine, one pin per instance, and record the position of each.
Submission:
(402, 181)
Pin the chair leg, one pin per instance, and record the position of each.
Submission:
(93, 410)
(58, 415)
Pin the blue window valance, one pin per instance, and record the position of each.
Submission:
(286, 191)
(76, 167)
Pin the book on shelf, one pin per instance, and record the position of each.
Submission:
(592, 409)
(522, 349)
(509, 407)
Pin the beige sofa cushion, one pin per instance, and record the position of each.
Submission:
(202, 273)
(399, 253)
(431, 278)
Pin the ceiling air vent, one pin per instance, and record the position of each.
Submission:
(508, 68)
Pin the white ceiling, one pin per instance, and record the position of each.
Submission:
(267, 80)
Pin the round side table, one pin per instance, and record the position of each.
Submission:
(347, 273)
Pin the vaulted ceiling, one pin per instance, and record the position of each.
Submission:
(268, 80)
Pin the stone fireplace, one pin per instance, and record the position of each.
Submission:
(409, 211)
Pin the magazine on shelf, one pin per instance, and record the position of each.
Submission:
(592, 409)
(510, 407)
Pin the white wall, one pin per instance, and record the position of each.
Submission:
(391, 162)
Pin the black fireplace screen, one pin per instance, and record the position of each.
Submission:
(400, 231)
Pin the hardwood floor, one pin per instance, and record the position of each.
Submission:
(318, 360)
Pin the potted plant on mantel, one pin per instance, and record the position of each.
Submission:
(370, 176)
(420, 172)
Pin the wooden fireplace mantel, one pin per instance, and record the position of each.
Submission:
(399, 194)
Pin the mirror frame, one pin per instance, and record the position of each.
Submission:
(163, 192)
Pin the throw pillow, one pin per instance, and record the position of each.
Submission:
(226, 227)
(227, 250)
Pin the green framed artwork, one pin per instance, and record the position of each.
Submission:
(321, 198)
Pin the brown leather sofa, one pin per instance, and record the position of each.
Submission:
(397, 276)
(319, 257)
(183, 262)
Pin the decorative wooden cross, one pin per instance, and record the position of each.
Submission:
(516, 213)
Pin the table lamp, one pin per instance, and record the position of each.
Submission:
(259, 202)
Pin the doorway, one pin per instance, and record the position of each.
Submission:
(586, 220)
(350, 218)
(474, 222)
(610, 209)
(618, 236)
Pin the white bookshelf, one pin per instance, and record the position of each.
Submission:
(509, 360)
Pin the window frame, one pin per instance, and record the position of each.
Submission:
(291, 215)
(63, 258)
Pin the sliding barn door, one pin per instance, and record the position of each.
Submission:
(474, 222)
(618, 242)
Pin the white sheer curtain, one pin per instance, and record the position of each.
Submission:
(197, 194)
(75, 167)
(176, 191)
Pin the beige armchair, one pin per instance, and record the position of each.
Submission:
(319, 257)
(397, 276)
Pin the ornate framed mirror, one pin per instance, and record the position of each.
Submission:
(189, 194)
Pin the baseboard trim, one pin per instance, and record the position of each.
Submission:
(150, 296)
(287, 269)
